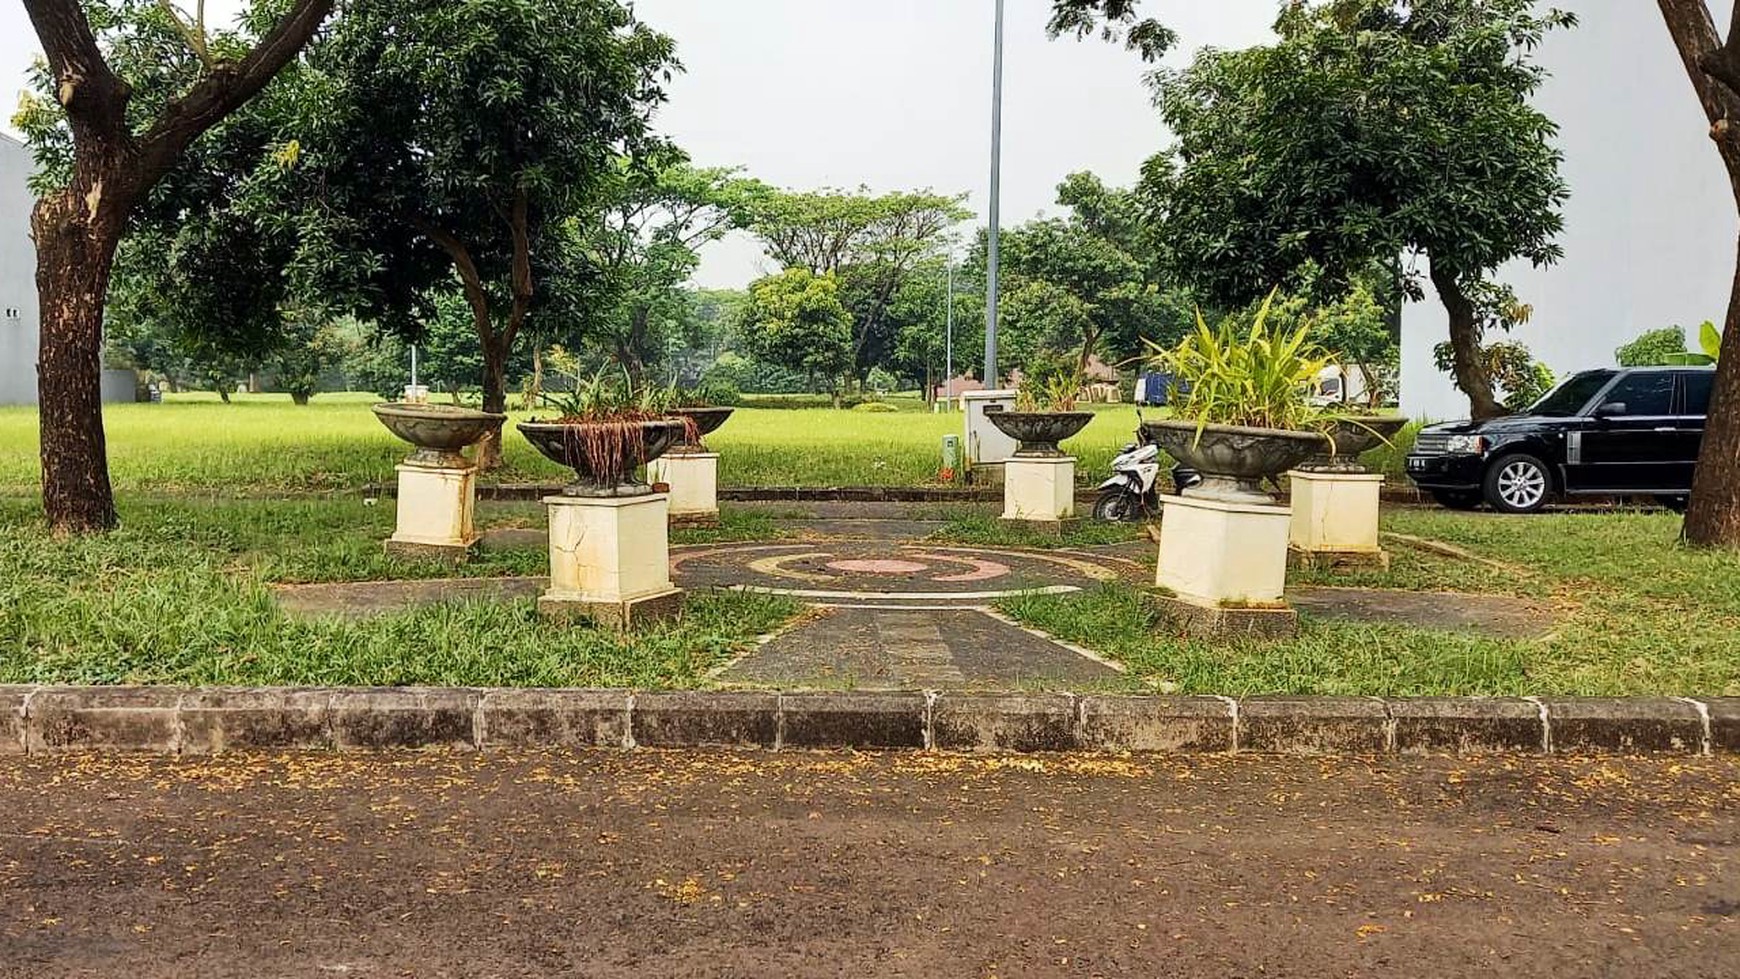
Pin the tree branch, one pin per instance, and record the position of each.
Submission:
(193, 33)
(225, 88)
(522, 268)
(94, 97)
(468, 275)
(1708, 64)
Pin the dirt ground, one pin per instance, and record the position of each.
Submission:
(762, 865)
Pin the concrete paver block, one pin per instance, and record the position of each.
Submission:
(215, 720)
(105, 718)
(1631, 725)
(854, 720)
(404, 718)
(1313, 725)
(1467, 725)
(554, 718)
(1181, 724)
(688, 719)
(1014, 722)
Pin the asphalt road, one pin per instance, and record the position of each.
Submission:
(761, 865)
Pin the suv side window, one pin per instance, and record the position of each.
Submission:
(1698, 387)
(1644, 393)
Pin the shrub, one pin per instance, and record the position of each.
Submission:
(875, 407)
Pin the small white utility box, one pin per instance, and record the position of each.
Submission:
(987, 446)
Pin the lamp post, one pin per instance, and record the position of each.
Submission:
(996, 205)
(949, 342)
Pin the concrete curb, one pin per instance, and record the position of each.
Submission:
(197, 721)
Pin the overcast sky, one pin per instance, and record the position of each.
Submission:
(890, 94)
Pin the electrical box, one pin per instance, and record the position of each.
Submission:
(951, 458)
(986, 444)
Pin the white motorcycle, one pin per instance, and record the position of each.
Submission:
(1130, 496)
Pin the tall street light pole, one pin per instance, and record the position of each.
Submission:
(949, 343)
(996, 206)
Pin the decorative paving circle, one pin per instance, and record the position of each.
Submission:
(883, 574)
(877, 566)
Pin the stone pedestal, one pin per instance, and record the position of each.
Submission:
(1223, 567)
(435, 509)
(1039, 491)
(694, 481)
(610, 560)
(1335, 519)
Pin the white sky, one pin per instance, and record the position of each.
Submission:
(892, 94)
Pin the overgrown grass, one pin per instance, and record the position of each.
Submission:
(987, 530)
(180, 595)
(1642, 615)
(262, 445)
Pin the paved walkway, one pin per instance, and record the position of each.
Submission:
(916, 649)
(899, 612)
(750, 865)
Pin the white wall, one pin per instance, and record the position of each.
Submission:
(18, 310)
(1651, 225)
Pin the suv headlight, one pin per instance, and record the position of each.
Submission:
(1466, 445)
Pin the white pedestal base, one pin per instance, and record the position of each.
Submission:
(1335, 513)
(435, 508)
(1039, 490)
(694, 481)
(1222, 554)
(610, 560)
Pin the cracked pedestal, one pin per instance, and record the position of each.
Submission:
(1223, 567)
(610, 560)
(693, 478)
(435, 508)
(1335, 519)
(1039, 491)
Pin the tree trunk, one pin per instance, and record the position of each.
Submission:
(535, 394)
(74, 256)
(1467, 365)
(1713, 519)
(494, 400)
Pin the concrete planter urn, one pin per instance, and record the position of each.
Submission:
(1234, 460)
(439, 432)
(604, 455)
(703, 421)
(1039, 431)
(1352, 438)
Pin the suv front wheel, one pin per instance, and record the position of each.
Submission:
(1518, 484)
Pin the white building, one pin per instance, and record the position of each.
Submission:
(1650, 228)
(18, 311)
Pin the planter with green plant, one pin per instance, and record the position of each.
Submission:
(1242, 414)
(1039, 479)
(609, 531)
(701, 413)
(690, 471)
(1044, 415)
(605, 431)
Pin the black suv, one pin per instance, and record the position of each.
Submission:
(1627, 432)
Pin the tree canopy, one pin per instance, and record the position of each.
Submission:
(1369, 130)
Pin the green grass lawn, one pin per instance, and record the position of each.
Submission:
(179, 595)
(1641, 615)
(262, 445)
